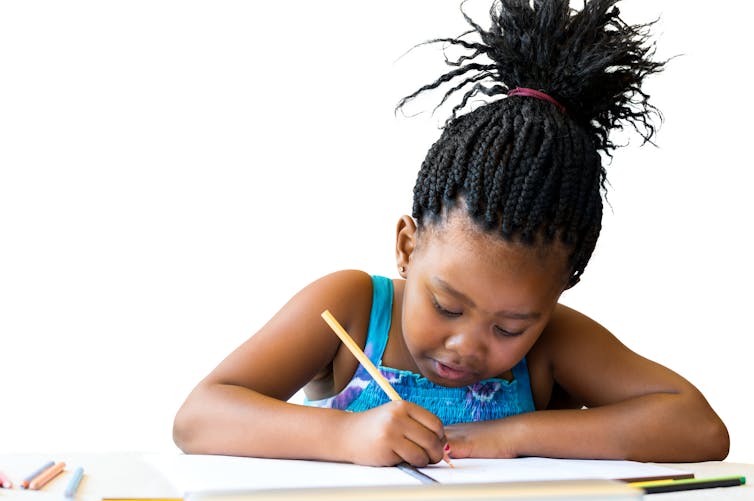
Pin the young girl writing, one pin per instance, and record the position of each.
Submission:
(507, 211)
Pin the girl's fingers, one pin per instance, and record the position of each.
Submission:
(428, 421)
(424, 439)
(411, 432)
(413, 454)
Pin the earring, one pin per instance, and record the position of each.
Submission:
(402, 269)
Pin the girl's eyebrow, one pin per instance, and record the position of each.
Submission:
(516, 315)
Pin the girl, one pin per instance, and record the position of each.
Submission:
(507, 211)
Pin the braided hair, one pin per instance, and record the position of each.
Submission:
(524, 167)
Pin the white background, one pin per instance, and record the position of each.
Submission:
(172, 172)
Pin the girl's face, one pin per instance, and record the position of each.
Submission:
(473, 304)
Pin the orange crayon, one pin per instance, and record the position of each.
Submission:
(25, 482)
(40, 480)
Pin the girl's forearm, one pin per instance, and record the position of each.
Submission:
(231, 420)
(660, 427)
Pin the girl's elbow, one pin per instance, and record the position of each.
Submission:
(182, 431)
(186, 429)
(710, 438)
(718, 440)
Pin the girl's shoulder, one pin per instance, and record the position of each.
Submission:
(348, 296)
(569, 337)
(569, 331)
(578, 359)
(296, 344)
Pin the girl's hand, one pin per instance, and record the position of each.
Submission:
(483, 439)
(392, 433)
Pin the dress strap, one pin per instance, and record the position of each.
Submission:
(521, 374)
(379, 318)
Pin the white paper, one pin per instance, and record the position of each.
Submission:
(190, 472)
(535, 469)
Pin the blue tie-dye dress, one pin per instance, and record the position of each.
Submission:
(487, 399)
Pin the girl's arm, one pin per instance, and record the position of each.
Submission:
(240, 408)
(636, 409)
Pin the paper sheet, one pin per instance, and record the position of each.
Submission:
(535, 468)
(198, 473)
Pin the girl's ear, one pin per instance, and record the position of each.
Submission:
(405, 243)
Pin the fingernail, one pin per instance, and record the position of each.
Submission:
(447, 448)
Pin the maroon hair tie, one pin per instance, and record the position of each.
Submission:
(525, 91)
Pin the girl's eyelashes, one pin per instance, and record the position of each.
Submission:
(453, 314)
(503, 332)
(444, 311)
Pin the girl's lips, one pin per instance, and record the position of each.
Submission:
(452, 372)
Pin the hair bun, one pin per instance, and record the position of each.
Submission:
(589, 60)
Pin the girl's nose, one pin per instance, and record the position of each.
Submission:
(468, 344)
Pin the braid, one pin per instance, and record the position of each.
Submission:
(522, 167)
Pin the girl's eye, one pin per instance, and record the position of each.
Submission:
(444, 311)
(507, 333)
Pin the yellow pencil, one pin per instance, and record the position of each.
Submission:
(364, 360)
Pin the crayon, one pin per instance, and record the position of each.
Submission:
(41, 480)
(5, 482)
(73, 484)
(687, 484)
(26, 481)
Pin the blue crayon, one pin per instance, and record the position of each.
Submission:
(70, 490)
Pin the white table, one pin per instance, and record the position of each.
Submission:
(133, 475)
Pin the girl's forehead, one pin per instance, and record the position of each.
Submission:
(456, 241)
